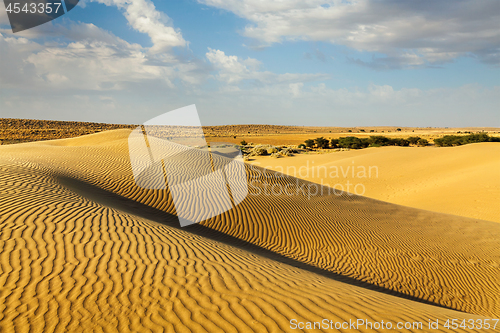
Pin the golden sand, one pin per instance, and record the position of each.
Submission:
(462, 180)
(83, 249)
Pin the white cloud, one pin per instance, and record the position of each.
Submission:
(295, 88)
(404, 60)
(92, 76)
(14, 70)
(143, 17)
(96, 66)
(233, 70)
(434, 31)
(95, 60)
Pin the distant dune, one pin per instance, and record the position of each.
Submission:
(461, 180)
(82, 248)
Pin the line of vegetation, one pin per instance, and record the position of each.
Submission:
(352, 142)
(458, 140)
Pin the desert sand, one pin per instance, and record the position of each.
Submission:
(462, 180)
(83, 249)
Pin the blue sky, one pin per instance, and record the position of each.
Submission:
(335, 63)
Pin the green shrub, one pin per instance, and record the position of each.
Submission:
(353, 142)
(399, 142)
(413, 140)
(309, 143)
(379, 140)
(422, 142)
(321, 142)
(458, 140)
(243, 143)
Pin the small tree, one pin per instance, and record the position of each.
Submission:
(309, 143)
(334, 143)
(422, 142)
(243, 143)
(413, 140)
(321, 142)
(399, 129)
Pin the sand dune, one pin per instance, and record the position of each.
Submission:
(461, 180)
(84, 249)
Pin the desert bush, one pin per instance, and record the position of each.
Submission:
(422, 142)
(309, 143)
(243, 143)
(413, 140)
(287, 151)
(334, 143)
(458, 140)
(258, 150)
(353, 142)
(399, 142)
(379, 140)
(302, 146)
(321, 142)
(272, 150)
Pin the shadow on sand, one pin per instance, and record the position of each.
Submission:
(133, 207)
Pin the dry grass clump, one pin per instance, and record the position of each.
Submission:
(267, 150)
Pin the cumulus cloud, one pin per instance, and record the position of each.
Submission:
(14, 70)
(88, 57)
(233, 70)
(94, 60)
(434, 31)
(143, 17)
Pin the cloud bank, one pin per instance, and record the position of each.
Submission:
(405, 33)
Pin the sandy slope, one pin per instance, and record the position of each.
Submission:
(83, 249)
(461, 180)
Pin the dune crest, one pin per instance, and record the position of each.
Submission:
(82, 248)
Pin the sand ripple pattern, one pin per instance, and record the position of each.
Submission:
(73, 259)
